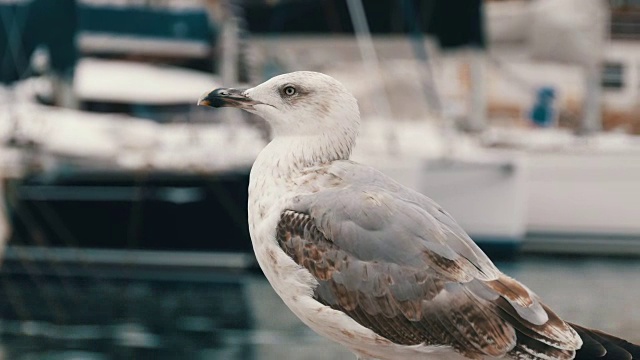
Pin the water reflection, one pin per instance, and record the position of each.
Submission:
(213, 315)
(52, 317)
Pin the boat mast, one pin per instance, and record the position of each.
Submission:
(599, 13)
(225, 13)
(372, 65)
(592, 107)
(477, 118)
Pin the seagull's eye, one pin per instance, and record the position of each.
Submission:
(289, 91)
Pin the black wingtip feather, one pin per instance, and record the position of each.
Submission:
(601, 346)
(591, 349)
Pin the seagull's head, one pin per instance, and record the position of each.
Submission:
(298, 103)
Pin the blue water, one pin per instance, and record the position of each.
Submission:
(213, 315)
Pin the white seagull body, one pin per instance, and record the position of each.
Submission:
(375, 266)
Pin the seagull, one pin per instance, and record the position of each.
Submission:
(371, 264)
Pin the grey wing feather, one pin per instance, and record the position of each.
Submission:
(397, 263)
(375, 217)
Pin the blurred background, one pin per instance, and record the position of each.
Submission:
(123, 226)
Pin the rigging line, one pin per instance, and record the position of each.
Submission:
(510, 75)
(370, 59)
(135, 225)
(429, 87)
(32, 270)
(15, 297)
(141, 183)
(50, 216)
(12, 29)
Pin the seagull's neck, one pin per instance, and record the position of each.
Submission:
(286, 156)
(283, 160)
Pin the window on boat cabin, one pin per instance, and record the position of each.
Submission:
(613, 75)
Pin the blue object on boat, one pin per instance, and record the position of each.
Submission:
(543, 112)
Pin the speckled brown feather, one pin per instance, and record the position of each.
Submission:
(432, 315)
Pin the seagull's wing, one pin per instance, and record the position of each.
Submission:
(397, 264)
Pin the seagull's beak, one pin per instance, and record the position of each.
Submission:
(227, 97)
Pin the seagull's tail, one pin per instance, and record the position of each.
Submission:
(597, 345)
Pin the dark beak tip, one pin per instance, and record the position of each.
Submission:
(217, 102)
(214, 98)
(226, 97)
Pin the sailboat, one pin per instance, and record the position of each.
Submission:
(582, 184)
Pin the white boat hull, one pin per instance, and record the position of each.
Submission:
(486, 195)
(587, 201)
